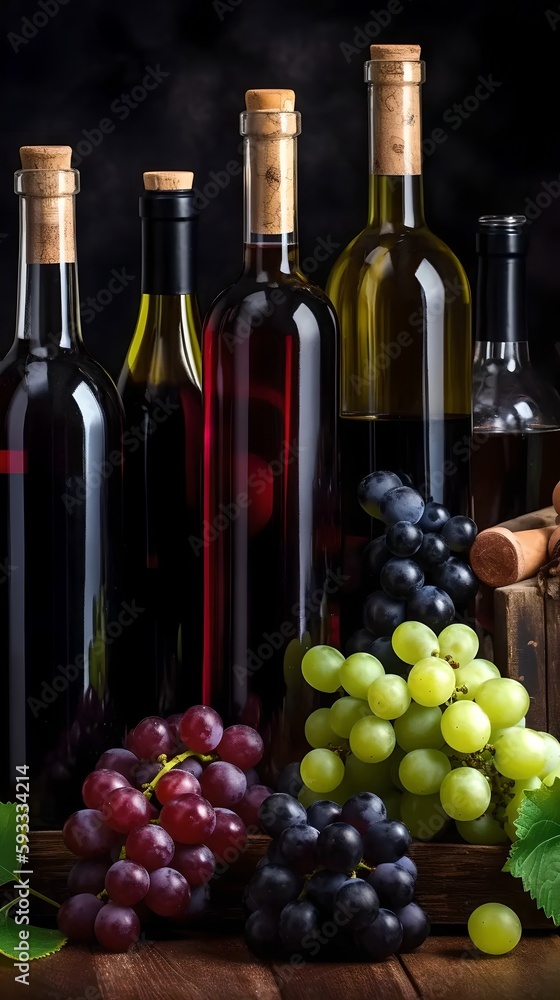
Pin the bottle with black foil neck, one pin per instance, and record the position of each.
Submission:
(160, 384)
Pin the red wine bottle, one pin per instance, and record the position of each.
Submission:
(61, 503)
(160, 384)
(271, 522)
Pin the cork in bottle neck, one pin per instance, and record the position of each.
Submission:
(395, 73)
(270, 125)
(48, 183)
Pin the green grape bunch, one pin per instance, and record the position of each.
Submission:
(447, 743)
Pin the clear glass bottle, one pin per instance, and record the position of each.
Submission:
(160, 384)
(516, 413)
(61, 425)
(271, 556)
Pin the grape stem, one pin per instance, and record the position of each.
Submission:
(168, 765)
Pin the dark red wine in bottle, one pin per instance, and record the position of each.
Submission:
(271, 522)
(61, 513)
(160, 386)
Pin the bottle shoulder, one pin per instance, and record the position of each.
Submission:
(512, 398)
(72, 380)
(403, 255)
(285, 301)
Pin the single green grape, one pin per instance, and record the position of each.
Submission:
(318, 729)
(498, 731)
(465, 793)
(519, 753)
(465, 726)
(388, 696)
(364, 777)
(345, 712)
(423, 815)
(484, 830)
(372, 739)
(459, 642)
(419, 728)
(431, 681)
(472, 676)
(321, 668)
(494, 928)
(412, 641)
(504, 700)
(321, 770)
(552, 753)
(422, 771)
(359, 671)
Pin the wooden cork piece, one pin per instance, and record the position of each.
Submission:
(396, 73)
(556, 498)
(272, 124)
(48, 183)
(553, 541)
(168, 180)
(500, 557)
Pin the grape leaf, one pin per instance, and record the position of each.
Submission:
(7, 842)
(535, 856)
(41, 941)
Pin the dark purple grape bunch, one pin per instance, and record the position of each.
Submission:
(334, 878)
(419, 566)
(163, 817)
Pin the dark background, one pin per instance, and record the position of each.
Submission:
(62, 81)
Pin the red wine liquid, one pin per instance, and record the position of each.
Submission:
(432, 458)
(513, 474)
(271, 518)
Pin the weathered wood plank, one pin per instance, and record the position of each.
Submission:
(70, 973)
(520, 648)
(200, 968)
(552, 619)
(345, 981)
(450, 968)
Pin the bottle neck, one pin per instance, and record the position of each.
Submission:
(396, 198)
(167, 256)
(270, 205)
(501, 310)
(48, 308)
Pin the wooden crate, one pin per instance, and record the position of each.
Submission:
(521, 633)
(453, 879)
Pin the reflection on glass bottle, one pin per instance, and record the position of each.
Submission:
(516, 414)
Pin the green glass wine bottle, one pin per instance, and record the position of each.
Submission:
(160, 386)
(404, 306)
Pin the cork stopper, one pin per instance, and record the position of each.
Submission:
(396, 72)
(48, 182)
(270, 100)
(272, 123)
(500, 557)
(168, 180)
(556, 498)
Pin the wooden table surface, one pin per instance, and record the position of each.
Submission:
(219, 967)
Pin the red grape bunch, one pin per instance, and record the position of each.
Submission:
(163, 817)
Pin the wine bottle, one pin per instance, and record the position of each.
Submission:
(403, 302)
(516, 413)
(160, 384)
(272, 570)
(61, 502)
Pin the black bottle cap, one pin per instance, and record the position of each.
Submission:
(502, 235)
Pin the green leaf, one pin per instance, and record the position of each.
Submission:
(41, 941)
(7, 842)
(535, 856)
